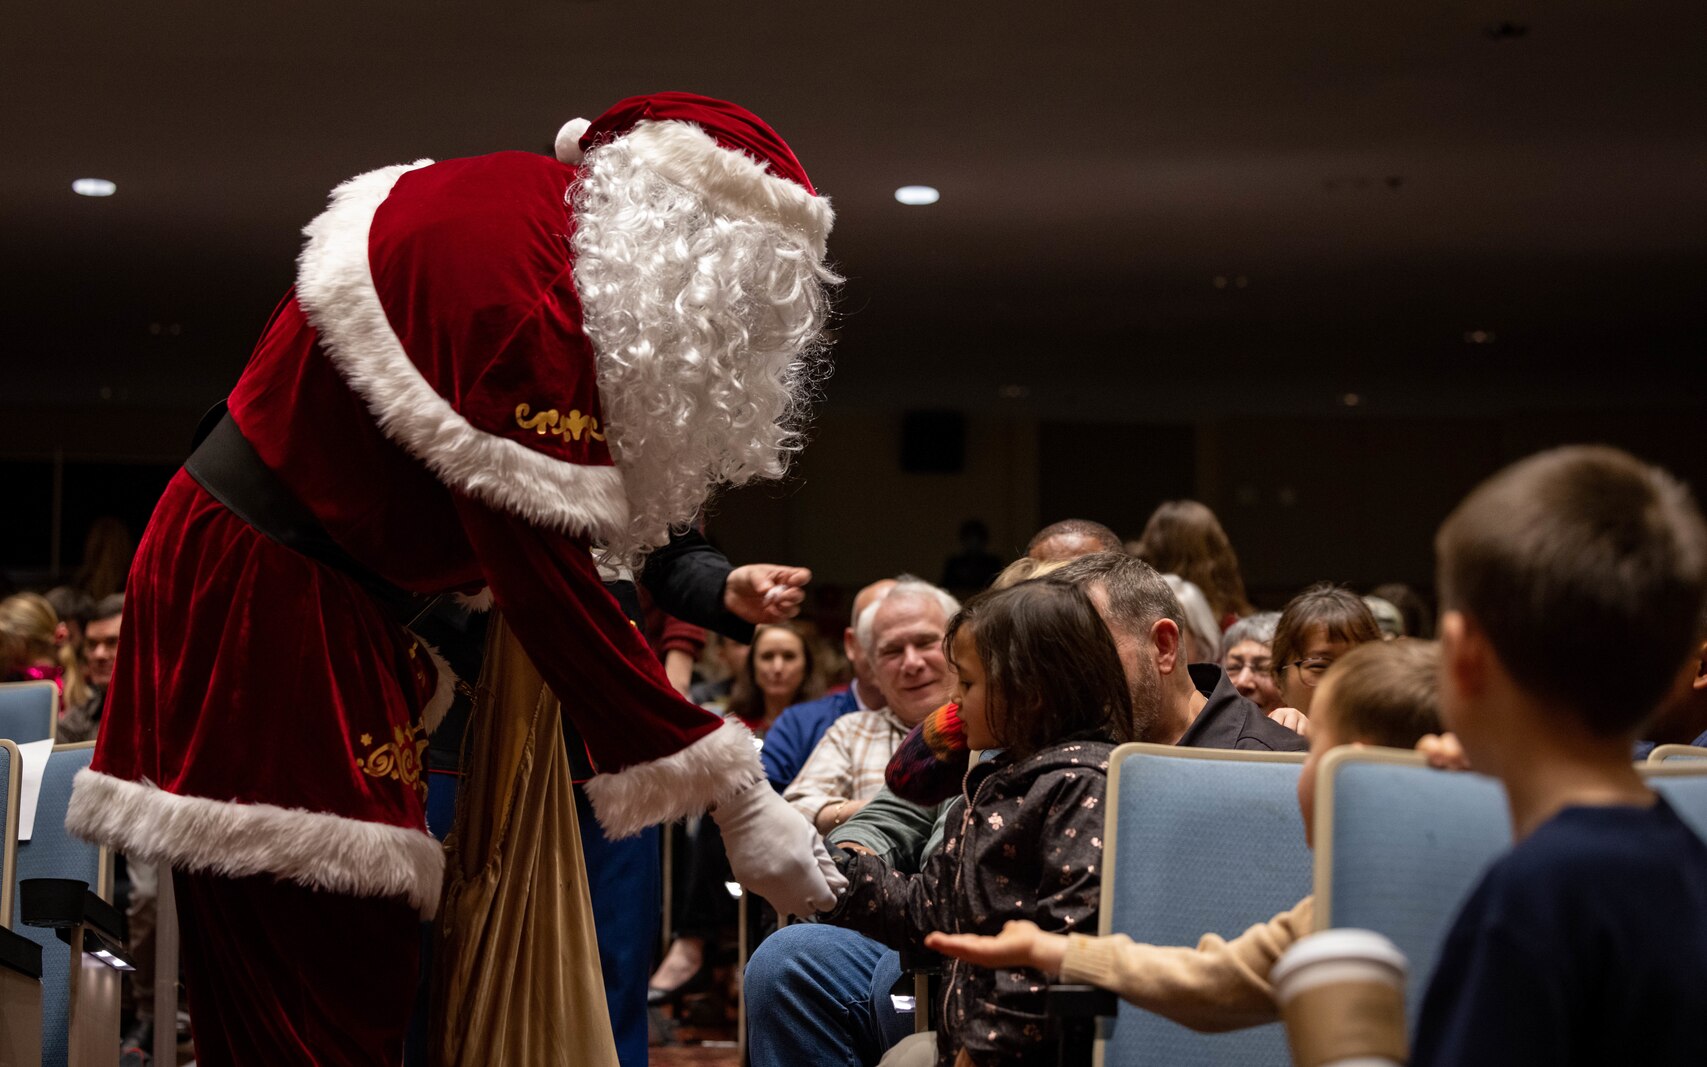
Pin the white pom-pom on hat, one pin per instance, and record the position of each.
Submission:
(568, 143)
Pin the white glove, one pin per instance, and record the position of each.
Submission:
(776, 853)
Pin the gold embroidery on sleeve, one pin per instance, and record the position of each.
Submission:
(570, 427)
(398, 759)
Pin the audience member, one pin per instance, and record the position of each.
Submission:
(1682, 715)
(1195, 705)
(1387, 617)
(798, 729)
(1040, 679)
(901, 634)
(723, 662)
(1378, 694)
(1184, 537)
(1317, 627)
(1201, 632)
(82, 721)
(73, 606)
(107, 551)
(974, 566)
(35, 646)
(1572, 585)
(819, 994)
(1419, 618)
(1247, 657)
(1071, 538)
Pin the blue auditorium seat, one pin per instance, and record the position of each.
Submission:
(1399, 846)
(28, 711)
(51, 852)
(1199, 840)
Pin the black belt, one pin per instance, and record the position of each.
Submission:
(226, 465)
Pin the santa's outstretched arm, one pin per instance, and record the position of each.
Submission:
(658, 756)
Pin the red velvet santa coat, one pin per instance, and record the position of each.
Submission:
(265, 715)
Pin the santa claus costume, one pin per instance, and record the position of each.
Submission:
(488, 367)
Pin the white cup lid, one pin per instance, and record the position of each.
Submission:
(1338, 946)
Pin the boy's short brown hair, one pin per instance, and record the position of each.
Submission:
(1385, 693)
(1587, 570)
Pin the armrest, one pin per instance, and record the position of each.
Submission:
(66, 905)
(1075, 1010)
(18, 953)
(1072, 1002)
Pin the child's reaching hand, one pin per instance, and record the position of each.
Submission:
(1444, 752)
(1020, 944)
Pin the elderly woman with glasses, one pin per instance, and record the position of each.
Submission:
(1318, 626)
(1246, 656)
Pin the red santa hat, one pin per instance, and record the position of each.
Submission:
(722, 151)
(444, 294)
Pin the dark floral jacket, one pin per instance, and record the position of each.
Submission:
(1028, 845)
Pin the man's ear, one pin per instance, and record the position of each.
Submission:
(1170, 653)
(1464, 654)
(1700, 682)
(850, 643)
(61, 634)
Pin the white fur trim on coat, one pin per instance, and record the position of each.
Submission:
(334, 285)
(236, 840)
(700, 776)
(733, 183)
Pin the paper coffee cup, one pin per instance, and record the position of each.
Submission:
(1342, 994)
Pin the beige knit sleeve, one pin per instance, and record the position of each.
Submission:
(1219, 985)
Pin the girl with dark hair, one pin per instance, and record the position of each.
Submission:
(1041, 680)
(1319, 625)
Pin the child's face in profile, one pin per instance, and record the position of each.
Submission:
(1323, 737)
(971, 692)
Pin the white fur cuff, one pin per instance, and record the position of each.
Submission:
(682, 784)
(314, 849)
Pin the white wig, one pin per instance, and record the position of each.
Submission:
(706, 328)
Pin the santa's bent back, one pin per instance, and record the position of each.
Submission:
(488, 368)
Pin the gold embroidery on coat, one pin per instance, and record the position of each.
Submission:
(398, 759)
(570, 427)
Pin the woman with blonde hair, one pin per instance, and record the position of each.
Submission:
(34, 647)
(1184, 537)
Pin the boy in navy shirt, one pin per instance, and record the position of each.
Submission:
(1572, 584)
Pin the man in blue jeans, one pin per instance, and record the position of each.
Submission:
(818, 994)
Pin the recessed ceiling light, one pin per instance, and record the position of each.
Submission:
(1351, 400)
(917, 195)
(1013, 392)
(93, 187)
(1479, 337)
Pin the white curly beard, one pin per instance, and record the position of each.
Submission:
(706, 330)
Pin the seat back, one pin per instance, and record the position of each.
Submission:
(1399, 846)
(11, 782)
(1683, 782)
(51, 852)
(28, 711)
(1198, 840)
(1668, 753)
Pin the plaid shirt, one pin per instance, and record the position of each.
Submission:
(848, 763)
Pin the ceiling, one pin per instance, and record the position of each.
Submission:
(1384, 178)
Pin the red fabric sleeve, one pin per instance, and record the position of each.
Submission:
(592, 657)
